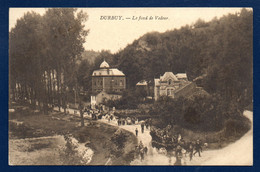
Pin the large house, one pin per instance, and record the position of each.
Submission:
(170, 85)
(107, 83)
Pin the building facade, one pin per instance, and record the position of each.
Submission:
(107, 81)
(169, 84)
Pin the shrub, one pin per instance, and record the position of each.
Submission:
(236, 127)
(199, 113)
(69, 154)
(119, 138)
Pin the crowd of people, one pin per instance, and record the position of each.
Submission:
(99, 113)
(161, 138)
(110, 116)
(175, 143)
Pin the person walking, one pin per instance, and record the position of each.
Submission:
(146, 125)
(142, 154)
(136, 132)
(142, 127)
(190, 151)
(178, 155)
(197, 147)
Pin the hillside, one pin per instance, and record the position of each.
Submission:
(90, 55)
(218, 55)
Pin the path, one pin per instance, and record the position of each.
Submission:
(153, 157)
(238, 153)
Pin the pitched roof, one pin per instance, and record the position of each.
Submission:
(108, 72)
(168, 75)
(104, 64)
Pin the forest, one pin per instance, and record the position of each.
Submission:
(43, 53)
(50, 64)
(217, 55)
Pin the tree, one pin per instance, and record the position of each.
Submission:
(43, 70)
(25, 58)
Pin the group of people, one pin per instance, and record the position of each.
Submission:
(162, 137)
(190, 148)
(99, 113)
(127, 121)
(141, 150)
(143, 125)
(176, 143)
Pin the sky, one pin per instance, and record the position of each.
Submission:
(114, 34)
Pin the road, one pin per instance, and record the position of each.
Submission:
(238, 153)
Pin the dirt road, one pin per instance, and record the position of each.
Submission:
(238, 153)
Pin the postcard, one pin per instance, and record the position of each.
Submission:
(131, 86)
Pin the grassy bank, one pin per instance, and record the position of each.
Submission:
(233, 130)
(25, 123)
(98, 135)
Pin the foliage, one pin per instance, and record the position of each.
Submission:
(201, 113)
(43, 54)
(69, 155)
(130, 100)
(217, 55)
(119, 139)
(236, 127)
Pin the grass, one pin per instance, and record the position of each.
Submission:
(98, 135)
(230, 133)
(95, 133)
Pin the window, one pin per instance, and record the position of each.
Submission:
(101, 82)
(169, 81)
(121, 83)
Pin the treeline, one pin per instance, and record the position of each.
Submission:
(43, 53)
(199, 113)
(217, 55)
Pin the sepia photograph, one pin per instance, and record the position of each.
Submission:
(130, 87)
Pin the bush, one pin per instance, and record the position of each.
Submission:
(199, 113)
(130, 100)
(236, 127)
(69, 155)
(119, 139)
